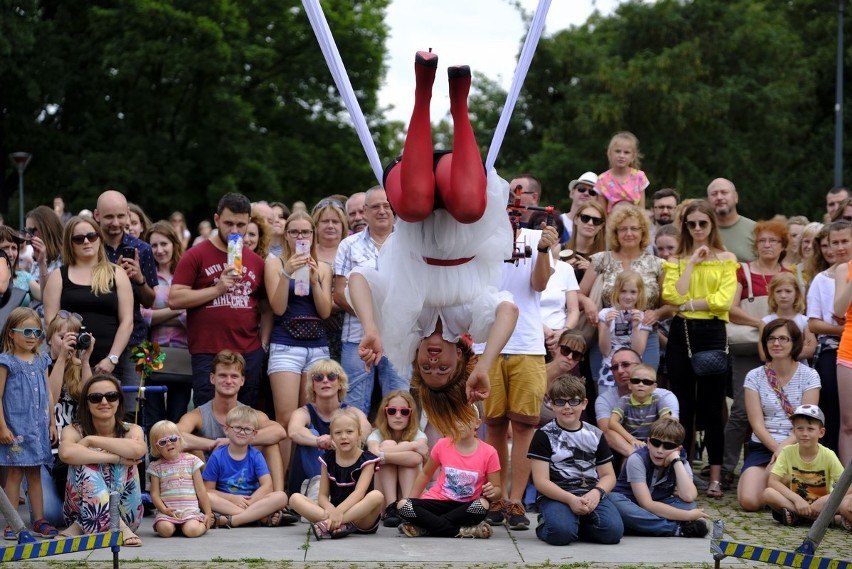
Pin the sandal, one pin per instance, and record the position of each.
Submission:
(344, 530)
(785, 516)
(218, 524)
(43, 528)
(714, 489)
(130, 539)
(320, 530)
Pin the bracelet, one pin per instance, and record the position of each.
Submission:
(540, 250)
(691, 306)
(601, 490)
(382, 457)
(283, 272)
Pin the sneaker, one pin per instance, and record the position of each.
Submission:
(517, 517)
(482, 531)
(496, 515)
(694, 528)
(412, 530)
(390, 517)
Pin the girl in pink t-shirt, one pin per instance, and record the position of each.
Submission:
(456, 505)
(624, 181)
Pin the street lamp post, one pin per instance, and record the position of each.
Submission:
(20, 160)
(838, 105)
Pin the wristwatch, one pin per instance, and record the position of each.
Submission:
(113, 359)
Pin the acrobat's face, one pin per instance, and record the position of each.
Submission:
(437, 360)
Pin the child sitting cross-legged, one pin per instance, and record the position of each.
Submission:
(804, 473)
(654, 493)
(237, 479)
(572, 471)
(456, 505)
(635, 413)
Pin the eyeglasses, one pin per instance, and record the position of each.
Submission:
(664, 207)
(703, 224)
(327, 202)
(593, 219)
(65, 315)
(642, 380)
(318, 377)
(575, 355)
(586, 190)
(166, 440)
(779, 339)
(30, 332)
(300, 232)
(668, 445)
(378, 206)
(243, 430)
(92, 237)
(110, 396)
(403, 411)
(768, 241)
(624, 365)
(630, 228)
(559, 402)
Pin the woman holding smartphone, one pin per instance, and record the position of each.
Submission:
(298, 336)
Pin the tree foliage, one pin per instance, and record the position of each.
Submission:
(175, 102)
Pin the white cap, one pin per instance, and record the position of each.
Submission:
(811, 411)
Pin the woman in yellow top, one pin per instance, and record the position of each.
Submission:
(700, 280)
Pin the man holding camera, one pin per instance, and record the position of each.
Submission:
(137, 259)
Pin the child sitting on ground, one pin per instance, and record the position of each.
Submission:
(177, 488)
(654, 492)
(572, 471)
(401, 447)
(804, 473)
(635, 413)
(469, 480)
(347, 502)
(238, 480)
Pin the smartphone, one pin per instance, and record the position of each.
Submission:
(303, 246)
(128, 252)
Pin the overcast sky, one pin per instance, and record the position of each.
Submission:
(484, 34)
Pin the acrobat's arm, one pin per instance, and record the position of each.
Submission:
(370, 349)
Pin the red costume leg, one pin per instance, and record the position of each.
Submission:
(413, 198)
(464, 196)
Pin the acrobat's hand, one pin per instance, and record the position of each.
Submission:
(478, 385)
(370, 349)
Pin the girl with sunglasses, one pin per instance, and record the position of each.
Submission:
(102, 453)
(177, 488)
(700, 280)
(401, 447)
(27, 425)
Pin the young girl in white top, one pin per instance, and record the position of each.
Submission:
(401, 447)
(786, 301)
(177, 488)
(620, 326)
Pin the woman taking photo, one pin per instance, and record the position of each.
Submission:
(772, 393)
(94, 288)
(700, 280)
(298, 338)
(10, 243)
(102, 452)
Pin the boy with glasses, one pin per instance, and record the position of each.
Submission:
(654, 493)
(635, 413)
(572, 471)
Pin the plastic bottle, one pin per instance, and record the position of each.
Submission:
(302, 275)
(235, 252)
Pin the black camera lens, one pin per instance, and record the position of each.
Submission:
(84, 340)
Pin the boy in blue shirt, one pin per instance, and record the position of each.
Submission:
(654, 493)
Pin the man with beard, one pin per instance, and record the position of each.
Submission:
(665, 201)
(355, 206)
(736, 231)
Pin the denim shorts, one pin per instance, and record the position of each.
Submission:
(294, 359)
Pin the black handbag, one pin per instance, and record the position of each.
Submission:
(707, 362)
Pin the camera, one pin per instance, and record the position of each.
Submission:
(83, 339)
(128, 252)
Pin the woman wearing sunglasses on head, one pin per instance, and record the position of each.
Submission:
(98, 290)
(309, 425)
(102, 453)
(700, 280)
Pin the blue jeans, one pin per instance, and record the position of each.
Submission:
(361, 381)
(202, 367)
(639, 521)
(561, 526)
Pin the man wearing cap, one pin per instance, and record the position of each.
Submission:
(580, 191)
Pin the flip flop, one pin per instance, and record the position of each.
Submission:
(785, 516)
(714, 489)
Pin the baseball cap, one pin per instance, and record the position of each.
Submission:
(588, 178)
(810, 411)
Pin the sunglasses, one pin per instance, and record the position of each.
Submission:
(642, 380)
(318, 377)
(243, 430)
(30, 332)
(586, 190)
(327, 202)
(577, 356)
(593, 219)
(91, 237)
(668, 445)
(703, 224)
(403, 411)
(563, 402)
(111, 397)
(166, 440)
(65, 315)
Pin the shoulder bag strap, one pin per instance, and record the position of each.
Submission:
(747, 272)
(772, 378)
